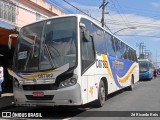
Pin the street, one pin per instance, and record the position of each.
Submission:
(144, 97)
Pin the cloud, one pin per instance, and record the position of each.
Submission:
(145, 26)
(91, 10)
(156, 4)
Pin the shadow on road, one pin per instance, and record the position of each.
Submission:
(61, 112)
(6, 102)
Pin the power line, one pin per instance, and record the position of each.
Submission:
(141, 10)
(126, 22)
(119, 12)
(122, 10)
(111, 21)
(85, 14)
(60, 6)
(80, 10)
(152, 13)
(147, 24)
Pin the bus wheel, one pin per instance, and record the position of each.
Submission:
(101, 95)
(130, 88)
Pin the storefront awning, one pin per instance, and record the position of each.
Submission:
(5, 30)
(6, 25)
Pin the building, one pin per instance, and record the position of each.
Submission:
(13, 15)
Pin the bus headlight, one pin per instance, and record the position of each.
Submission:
(69, 82)
(16, 83)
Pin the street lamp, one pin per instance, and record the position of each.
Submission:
(124, 29)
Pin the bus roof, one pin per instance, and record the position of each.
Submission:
(82, 16)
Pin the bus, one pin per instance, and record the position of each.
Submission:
(70, 60)
(146, 69)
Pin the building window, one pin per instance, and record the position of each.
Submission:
(8, 11)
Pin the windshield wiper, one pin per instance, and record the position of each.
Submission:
(50, 58)
(31, 52)
(48, 52)
(33, 46)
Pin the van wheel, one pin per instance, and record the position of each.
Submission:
(130, 88)
(101, 95)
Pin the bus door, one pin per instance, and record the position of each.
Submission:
(88, 67)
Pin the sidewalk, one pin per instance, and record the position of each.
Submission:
(6, 101)
(6, 94)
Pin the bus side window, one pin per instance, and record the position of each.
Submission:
(99, 40)
(130, 54)
(118, 48)
(111, 46)
(87, 47)
(135, 56)
(88, 53)
(124, 53)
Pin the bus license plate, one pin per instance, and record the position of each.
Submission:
(38, 94)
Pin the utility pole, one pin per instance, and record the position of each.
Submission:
(140, 49)
(103, 11)
(156, 58)
(146, 53)
(143, 48)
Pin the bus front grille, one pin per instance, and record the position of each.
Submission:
(45, 97)
(40, 87)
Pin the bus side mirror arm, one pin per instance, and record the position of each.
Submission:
(86, 33)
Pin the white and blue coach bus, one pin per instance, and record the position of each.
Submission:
(70, 60)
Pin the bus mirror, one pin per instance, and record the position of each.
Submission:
(10, 40)
(86, 34)
(82, 25)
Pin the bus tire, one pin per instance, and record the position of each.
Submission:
(101, 95)
(130, 88)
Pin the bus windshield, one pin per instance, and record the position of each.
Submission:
(46, 45)
(143, 66)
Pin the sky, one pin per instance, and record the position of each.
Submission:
(144, 15)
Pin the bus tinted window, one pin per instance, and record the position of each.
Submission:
(124, 51)
(110, 46)
(87, 48)
(87, 54)
(99, 40)
(135, 56)
(118, 48)
(130, 54)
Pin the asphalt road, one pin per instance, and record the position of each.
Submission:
(144, 100)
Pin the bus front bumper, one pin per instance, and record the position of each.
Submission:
(145, 76)
(65, 96)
